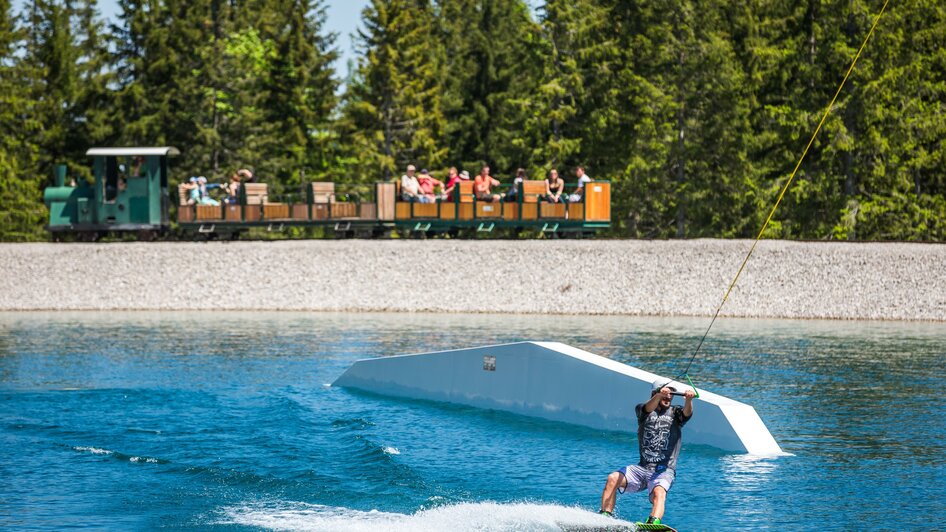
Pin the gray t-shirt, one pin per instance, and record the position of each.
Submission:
(659, 436)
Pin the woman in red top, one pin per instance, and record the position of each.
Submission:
(452, 179)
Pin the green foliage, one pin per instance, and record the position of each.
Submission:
(65, 50)
(21, 208)
(246, 84)
(393, 113)
(494, 55)
(299, 88)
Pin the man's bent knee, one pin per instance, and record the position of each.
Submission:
(616, 480)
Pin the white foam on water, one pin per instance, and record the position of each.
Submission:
(145, 459)
(481, 516)
(390, 450)
(93, 450)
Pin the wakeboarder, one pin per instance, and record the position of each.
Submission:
(659, 437)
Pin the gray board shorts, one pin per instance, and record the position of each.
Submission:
(638, 478)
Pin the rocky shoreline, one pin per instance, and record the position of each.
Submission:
(875, 281)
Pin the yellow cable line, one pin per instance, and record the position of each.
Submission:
(789, 182)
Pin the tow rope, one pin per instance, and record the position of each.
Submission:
(788, 183)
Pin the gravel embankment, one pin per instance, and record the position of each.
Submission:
(668, 278)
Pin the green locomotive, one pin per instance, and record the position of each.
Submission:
(129, 194)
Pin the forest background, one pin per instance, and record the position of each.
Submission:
(695, 110)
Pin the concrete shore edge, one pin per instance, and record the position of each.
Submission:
(783, 279)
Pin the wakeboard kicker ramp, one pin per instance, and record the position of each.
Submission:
(554, 381)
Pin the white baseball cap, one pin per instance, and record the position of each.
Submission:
(661, 383)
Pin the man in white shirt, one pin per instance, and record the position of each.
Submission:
(583, 179)
(410, 187)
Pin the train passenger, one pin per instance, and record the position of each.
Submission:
(204, 190)
(429, 186)
(481, 186)
(583, 179)
(137, 166)
(192, 189)
(246, 175)
(452, 179)
(233, 189)
(554, 187)
(410, 187)
(513, 194)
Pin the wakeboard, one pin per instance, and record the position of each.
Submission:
(629, 527)
(657, 528)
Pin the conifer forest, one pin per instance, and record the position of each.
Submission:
(695, 110)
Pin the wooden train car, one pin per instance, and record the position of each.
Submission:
(130, 193)
(383, 210)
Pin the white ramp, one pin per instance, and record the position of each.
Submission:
(554, 381)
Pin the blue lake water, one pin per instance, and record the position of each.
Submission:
(226, 421)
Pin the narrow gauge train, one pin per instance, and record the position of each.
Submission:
(130, 194)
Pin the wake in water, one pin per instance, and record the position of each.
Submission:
(519, 517)
(119, 456)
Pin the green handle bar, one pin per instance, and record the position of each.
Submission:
(697, 392)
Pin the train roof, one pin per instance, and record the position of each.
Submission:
(166, 151)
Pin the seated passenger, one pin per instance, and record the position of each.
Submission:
(410, 187)
(429, 186)
(481, 186)
(192, 189)
(513, 194)
(452, 179)
(233, 190)
(204, 191)
(554, 187)
(583, 179)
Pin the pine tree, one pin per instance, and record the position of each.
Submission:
(21, 208)
(898, 160)
(492, 71)
(300, 88)
(66, 54)
(393, 113)
(566, 69)
(167, 83)
(685, 118)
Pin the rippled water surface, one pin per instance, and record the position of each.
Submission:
(226, 421)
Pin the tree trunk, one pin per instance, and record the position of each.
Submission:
(680, 158)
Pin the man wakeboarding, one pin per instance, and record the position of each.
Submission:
(659, 434)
